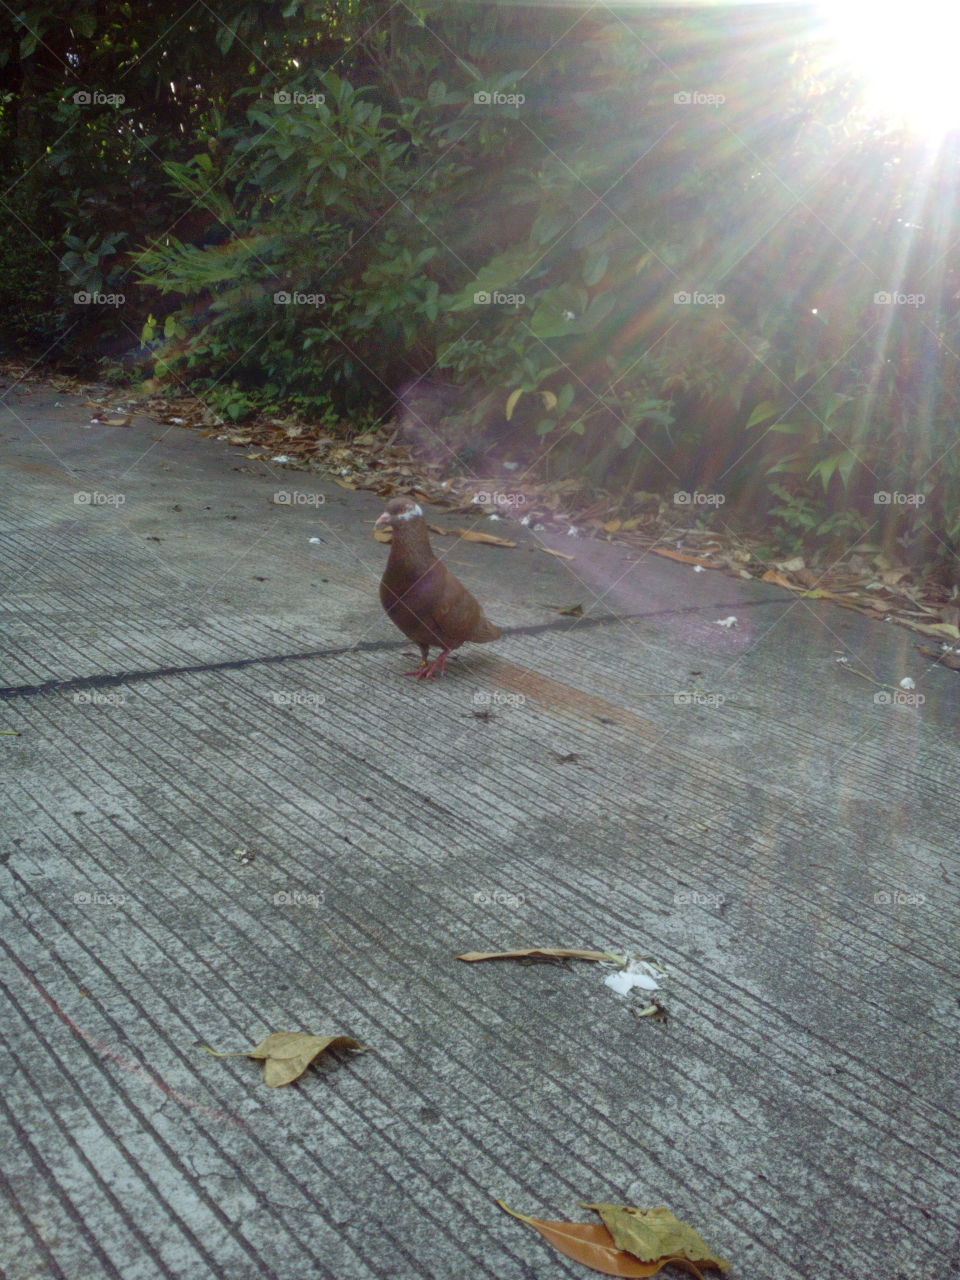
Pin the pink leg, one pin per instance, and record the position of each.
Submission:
(437, 667)
(424, 663)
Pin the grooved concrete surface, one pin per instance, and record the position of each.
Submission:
(789, 855)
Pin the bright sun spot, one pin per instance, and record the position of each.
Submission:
(905, 52)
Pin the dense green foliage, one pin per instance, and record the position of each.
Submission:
(667, 239)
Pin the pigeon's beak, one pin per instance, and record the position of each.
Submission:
(382, 521)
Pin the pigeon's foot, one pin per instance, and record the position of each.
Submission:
(430, 670)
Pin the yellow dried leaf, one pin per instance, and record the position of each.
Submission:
(512, 399)
(942, 629)
(612, 526)
(568, 610)
(344, 484)
(287, 1054)
(561, 555)
(549, 400)
(655, 1235)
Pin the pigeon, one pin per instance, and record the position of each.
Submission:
(422, 597)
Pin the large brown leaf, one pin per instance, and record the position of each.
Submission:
(589, 1243)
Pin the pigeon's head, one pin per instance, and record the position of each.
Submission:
(398, 510)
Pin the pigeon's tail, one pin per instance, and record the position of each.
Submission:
(484, 631)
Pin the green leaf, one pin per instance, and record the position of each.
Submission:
(845, 466)
(556, 311)
(84, 23)
(226, 36)
(760, 414)
(836, 400)
(503, 273)
(595, 268)
(548, 225)
(842, 463)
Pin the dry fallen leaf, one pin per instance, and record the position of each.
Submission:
(684, 558)
(612, 526)
(946, 657)
(473, 535)
(940, 629)
(566, 953)
(655, 1235)
(654, 1010)
(779, 580)
(344, 484)
(561, 555)
(287, 1054)
(107, 419)
(568, 610)
(591, 1244)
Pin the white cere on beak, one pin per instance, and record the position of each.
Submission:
(408, 515)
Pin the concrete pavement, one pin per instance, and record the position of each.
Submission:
(191, 676)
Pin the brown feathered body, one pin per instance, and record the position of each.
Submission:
(429, 604)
